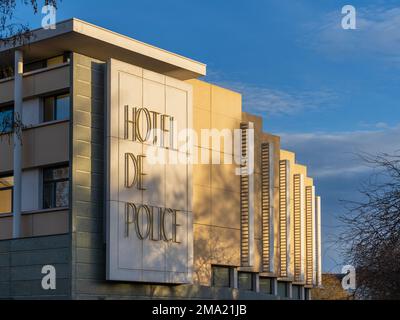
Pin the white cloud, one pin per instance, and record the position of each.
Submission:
(265, 101)
(377, 35)
(330, 154)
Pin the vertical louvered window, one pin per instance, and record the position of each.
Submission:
(298, 212)
(244, 199)
(266, 207)
(318, 240)
(309, 236)
(283, 216)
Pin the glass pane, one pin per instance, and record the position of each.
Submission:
(62, 192)
(6, 120)
(62, 105)
(48, 195)
(221, 276)
(296, 292)
(245, 281)
(282, 289)
(48, 112)
(266, 285)
(56, 173)
(6, 201)
(6, 182)
(307, 294)
(61, 173)
(34, 66)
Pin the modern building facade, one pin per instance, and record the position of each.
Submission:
(221, 219)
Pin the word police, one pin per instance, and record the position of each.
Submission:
(153, 223)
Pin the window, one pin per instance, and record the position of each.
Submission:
(245, 281)
(6, 194)
(55, 187)
(283, 290)
(6, 119)
(56, 108)
(296, 292)
(266, 285)
(46, 63)
(221, 276)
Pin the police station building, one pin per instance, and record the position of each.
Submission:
(123, 176)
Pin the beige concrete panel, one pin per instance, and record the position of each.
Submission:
(224, 177)
(154, 182)
(202, 173)
(220, 122)
(226, 102)
(225, 208)
(202, 255)
(176, 258)
(121, 193)
(37, 83)
(309, 182)
(288, 155)
(201, 94)
(51, 144)
(6, 228)
(41, 146)
(50, 223)
(153, 95)
(6, 91)
(202, 204)
(225, 246)
(177, 107)
(201, 120)
(177, 182)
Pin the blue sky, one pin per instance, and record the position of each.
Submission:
(329, 92)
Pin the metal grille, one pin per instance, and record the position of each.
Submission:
(297, 203)
(283, 208)
(244, 200)
(309, 236)
(266, 205)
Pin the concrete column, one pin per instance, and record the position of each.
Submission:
(18, 83)
(290, 290)
(256, 282)
(275, 286)
(234, 279)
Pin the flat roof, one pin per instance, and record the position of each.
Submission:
(82, 37)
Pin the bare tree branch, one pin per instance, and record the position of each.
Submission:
(371, 230)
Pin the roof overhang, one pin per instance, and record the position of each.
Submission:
(78, 36)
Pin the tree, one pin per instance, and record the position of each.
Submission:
(371, 235)
(14, 33)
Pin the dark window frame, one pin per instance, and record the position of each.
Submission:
(286, 295)
(55, 108)
(252, 280)
(6, 108)
(230, 280)
(54, 182)
(12, 194)
(271, 285)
